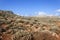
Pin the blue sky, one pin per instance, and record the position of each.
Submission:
(31, 7)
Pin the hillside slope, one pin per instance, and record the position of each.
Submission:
(14, 27)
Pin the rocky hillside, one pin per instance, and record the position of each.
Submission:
(14, 27)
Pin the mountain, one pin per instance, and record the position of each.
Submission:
(15, 27)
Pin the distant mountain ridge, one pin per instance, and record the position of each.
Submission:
(10, 12)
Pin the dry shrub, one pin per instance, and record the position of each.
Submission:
(44, 36)
(7, 37)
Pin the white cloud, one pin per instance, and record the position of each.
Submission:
(41, 13)
(58, 10)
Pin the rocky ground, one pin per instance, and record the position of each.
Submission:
(14, 27)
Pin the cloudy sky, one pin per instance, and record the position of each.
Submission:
(31, 7)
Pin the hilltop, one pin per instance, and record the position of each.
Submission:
(16, 27)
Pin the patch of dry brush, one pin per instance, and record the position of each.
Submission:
(14, 27)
